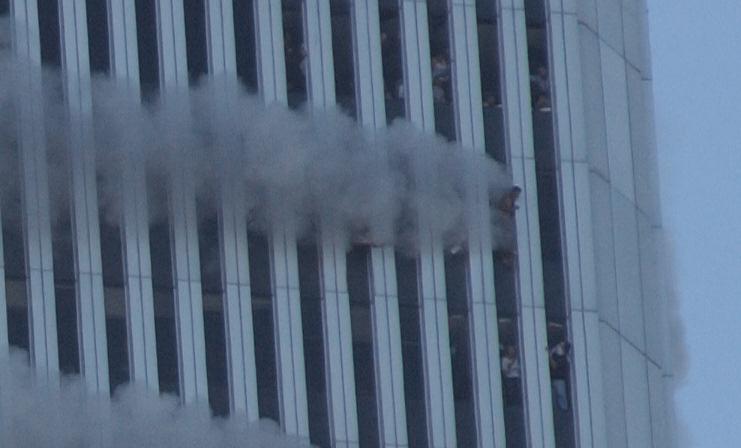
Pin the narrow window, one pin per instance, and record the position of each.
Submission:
(456, 288)
(146, 36)
(213, 308)
(411, 345)
(262, 317)
(244, 38)
(163, 287)
(546, 155)
(114, 296)
(14, 250)
(393, 62)
(343, 44)
(359, 289)
(491, 89)
(310, 288)
(295, 52)
(442, 68)
(64, 286)
(97, 28)
(195, 39)
(51, 52)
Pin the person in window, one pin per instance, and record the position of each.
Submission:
(558, 357)
(508, 203)
(510, 365)
(490, 100)
(440, 78)
(540, 86)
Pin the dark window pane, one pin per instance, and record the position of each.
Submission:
(358, 285)
(488, 33)
(342, 50)
(456, 287)
(49, 32)
(411, 345)
(97, 28)
(146, 36)
(262, 318)
(195, 38)
(393, 62)
(442, 70)
(295, 52)
(64, 289)
(244, 36)
(213, 314)
(314, 358)
(546, 155)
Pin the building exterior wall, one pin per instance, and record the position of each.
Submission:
(601, 164)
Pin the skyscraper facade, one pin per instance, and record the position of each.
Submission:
(557, 340)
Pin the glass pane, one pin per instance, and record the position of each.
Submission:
(97, 28)
(358, 286)
(244, 37)
(146, 36)
(262, 319)
(442, 70)
(314, 359)
(209, 247)
(295, 52)
(393, 63)
(550, 222)
(491, 96)
(49, 32)
(456, 288)
(195, 38)
(411, 344)
(342, 51)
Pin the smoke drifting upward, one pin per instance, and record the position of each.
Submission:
(296, 168)
(37, 414)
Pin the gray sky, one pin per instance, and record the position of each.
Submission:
(697, 83)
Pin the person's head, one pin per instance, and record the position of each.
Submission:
(510, 351)
(515, 192)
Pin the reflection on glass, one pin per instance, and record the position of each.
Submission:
(244, 39)
(456, 288)
(359, 289)
(411, 344)
(342, 51)
(393, 64)
(550, 223)
(262, 319)
(295, 52)
(314, 359)
(442, 72)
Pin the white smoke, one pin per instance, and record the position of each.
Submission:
(290, 166)
(35, 413)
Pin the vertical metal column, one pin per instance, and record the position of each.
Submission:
(385, 303)
(84, 198)
(489, 410)
(577, 239)
(434, 318)
(240, 343)
(35, 196)
(335, 301)
(286, 301)
(518, 128)
(140, 329)
(184, 228)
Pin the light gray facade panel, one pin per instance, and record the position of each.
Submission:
(183, 225)
(35, 199)
(636, 390)
(612, 380)
(220, 37)
(271, 63)
(318, 22)
(3, 301)
(134, 216)
(367, 38)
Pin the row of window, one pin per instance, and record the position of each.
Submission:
(395, 93)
